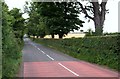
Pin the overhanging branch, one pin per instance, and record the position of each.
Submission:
(85, 12)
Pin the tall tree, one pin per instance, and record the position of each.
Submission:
(47, 11)
(95, 11)
(61, 17)
(18, 24)
(36, 26)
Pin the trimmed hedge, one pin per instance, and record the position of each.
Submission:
(100, 50)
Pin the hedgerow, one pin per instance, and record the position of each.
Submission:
(11, 46)
(11, 53)
(100, 50)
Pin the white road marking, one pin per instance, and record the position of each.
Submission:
(38, 49)
(42, 52)
(49, 57)
(68, 69)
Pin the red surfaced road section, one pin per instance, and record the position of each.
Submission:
(53, 69)
(45, 69)
(88, 70)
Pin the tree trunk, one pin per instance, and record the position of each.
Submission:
(99, 12)
(60, 36)
(52, 36)
(33, 37)
(41, 36)
(99, 16)
(37, 36)
(98, 25)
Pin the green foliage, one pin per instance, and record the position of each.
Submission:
(35, 24)
(11, 47)
(116, 33)
(99, 50)
(59, 18)
(18, 22)
(0, 41)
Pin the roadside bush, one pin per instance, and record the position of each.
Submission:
(11, 53)
(116, 33)
(100, 50)
(11, 46)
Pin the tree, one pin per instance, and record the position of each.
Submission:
(60, 17)
(41, 30)
(47, 12)
(18, 24)
(98, 12)
(36, 26)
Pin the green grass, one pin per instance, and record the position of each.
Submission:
(99, 50)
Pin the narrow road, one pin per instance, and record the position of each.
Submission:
(41, 61)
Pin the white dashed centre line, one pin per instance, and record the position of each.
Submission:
(58, 63)
(68, 69)
(49, 57)
(43, 52)
(38, 48)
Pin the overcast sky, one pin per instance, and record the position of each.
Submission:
(111, 22)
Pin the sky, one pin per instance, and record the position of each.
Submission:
(110, 25)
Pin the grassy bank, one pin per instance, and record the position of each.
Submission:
(100, 50)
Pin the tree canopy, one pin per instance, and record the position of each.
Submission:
(18, 22)
(62, 17)
(58, 18)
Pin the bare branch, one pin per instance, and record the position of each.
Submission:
(104, 2)
(85, 12)
(89, 6)
(90, 9)
(96, 8)
(103, 10)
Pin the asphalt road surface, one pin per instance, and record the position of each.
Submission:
(41, 61)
